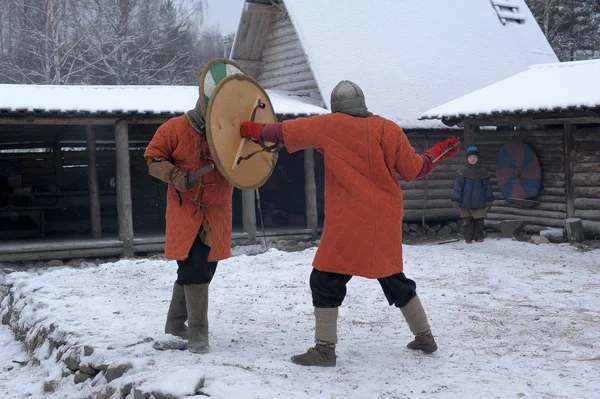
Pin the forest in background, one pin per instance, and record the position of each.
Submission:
(165, 42)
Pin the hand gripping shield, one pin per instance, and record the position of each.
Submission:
(244, 163)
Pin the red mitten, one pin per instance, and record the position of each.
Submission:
(437, 149)
(251, 130)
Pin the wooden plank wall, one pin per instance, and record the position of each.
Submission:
(284, 64)
(586, 177)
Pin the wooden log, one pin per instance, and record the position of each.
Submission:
(588, 192)
(302, 70)
(587, 204)
(588, 156)
(310, 189)
(288, 47)
(586, 167)
(305, 78)
(529, 211)
(296, 60)
(249, 215)
(574, 230)
(429, 204)
(591, 227)
(431, 184)
(587, 134)
(542, 206)
(588, 215)
(305, 85)
(124, 187)
(533, 219)
(430, 214)
(94, 191)
(587, 179)
(62, 254)
(420, 194)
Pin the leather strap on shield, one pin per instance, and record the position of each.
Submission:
(238, 98)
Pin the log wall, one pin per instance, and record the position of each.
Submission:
(284, 64)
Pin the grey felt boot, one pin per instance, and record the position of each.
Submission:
(196, 299)
(417, 322)
(177, 314)
(323, 353)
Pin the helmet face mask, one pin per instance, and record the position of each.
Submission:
(347, 97)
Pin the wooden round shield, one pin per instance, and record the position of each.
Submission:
(210, 76)
(233, 102)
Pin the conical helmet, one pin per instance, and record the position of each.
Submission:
(348, 97)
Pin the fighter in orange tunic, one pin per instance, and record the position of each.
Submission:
(362, 235)
(198, 221)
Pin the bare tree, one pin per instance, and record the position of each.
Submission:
(105, 41)
(571, 26)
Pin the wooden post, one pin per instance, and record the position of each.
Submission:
(124, 187)
(569, 152)
(58, 163)
(310, 190)
(574, 230)
(94, 191)
(249, 215)
(469, 131)
(426, 194)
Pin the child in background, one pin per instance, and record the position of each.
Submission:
(473, 195)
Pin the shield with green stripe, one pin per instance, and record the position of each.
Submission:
(212, 73)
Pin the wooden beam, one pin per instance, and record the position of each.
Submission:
(260, 8)
(94, 190)
(58, 164)
(310, 190)
(569, 151)
(69, 120)
(470, 131)
(124, 210)
(530, 120)
(249, 215)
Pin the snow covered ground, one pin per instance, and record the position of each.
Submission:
(511, 320)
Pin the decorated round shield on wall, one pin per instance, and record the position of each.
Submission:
(210, 76)
(245, 163)
(519, 174)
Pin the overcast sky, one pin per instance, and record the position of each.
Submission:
(225, 14)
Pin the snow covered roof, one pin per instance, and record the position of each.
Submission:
(409, 56)
(545, 87)
(149, 100)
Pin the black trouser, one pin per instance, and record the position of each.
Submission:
(473, 229)
(329, 289)
(196, 269)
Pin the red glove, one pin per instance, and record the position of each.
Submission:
(437, 149)
(251, 130)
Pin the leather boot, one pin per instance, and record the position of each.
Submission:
(323, 353)
(196, 299)
(417, 322)
(177, 314)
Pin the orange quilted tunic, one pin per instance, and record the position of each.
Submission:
(362, 235)
(177, 141)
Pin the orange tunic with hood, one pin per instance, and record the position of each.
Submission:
(177, 141)
(362, 235)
